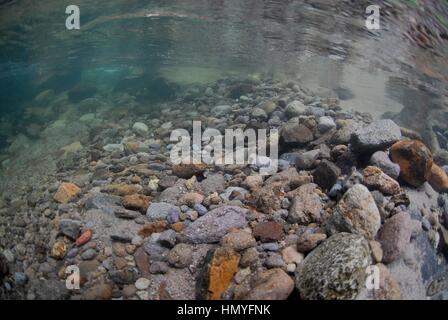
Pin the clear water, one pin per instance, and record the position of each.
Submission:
(152, 50)
(131, 57)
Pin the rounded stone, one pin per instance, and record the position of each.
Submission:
(334, 270)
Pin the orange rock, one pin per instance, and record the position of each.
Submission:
(376, 179)
(438, 179)
(136, 202)
(59, 249)
(186, 171)
(414, 159)
(150, 228)
(221, 266)
(123, 189)
(84, 238)
(66, 192)
(178, 226)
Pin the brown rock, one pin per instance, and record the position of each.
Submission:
(273, 284)
(356, 212)
(186, 171)
(395, 236)
(122, 189)
(84, 238)
(268, 231)
(238, 240)
(191, 199)
(66, 192)
(142, 261)
(376, 179)
(138, 202)
(178, 226)
(296, 134)
(129, 291)
(299, 181)
(120, 263)
(414, 159)
(269, 198)
(150, 228)
(388, 289)
(253, 182)
(438, 179)
(306, 206)
(59, 250)
(119, 249)
(221, 264)
(98, 292)
(309, 241)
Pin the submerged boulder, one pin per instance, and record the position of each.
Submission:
(357, 213)
(336, 269)
(414, 159)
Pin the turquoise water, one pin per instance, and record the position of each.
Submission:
(153, 50)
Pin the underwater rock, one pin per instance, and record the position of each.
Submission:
(376, 179)
(70, 228)
(268, 231)
(213, 226)
(136, 202)
(160, 210)
(186, 171)
(335, 269)
(378, 135)
(273, 284)
(295, 108)
(66, 192)
(356, 212)
(220, 266)
(395, 236)
(381, 160)
(326, 174)
(140, 129)
(296, 134)
(438, 179)
(238, 240)
(306, 206)
(414, 159)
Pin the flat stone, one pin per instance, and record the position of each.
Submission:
(212, 226)
(70, 228)
(268, 231)
(220, 266)
(66, 192)
(378, 135)
(159, 210)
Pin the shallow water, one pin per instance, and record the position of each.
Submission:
(153, 49)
